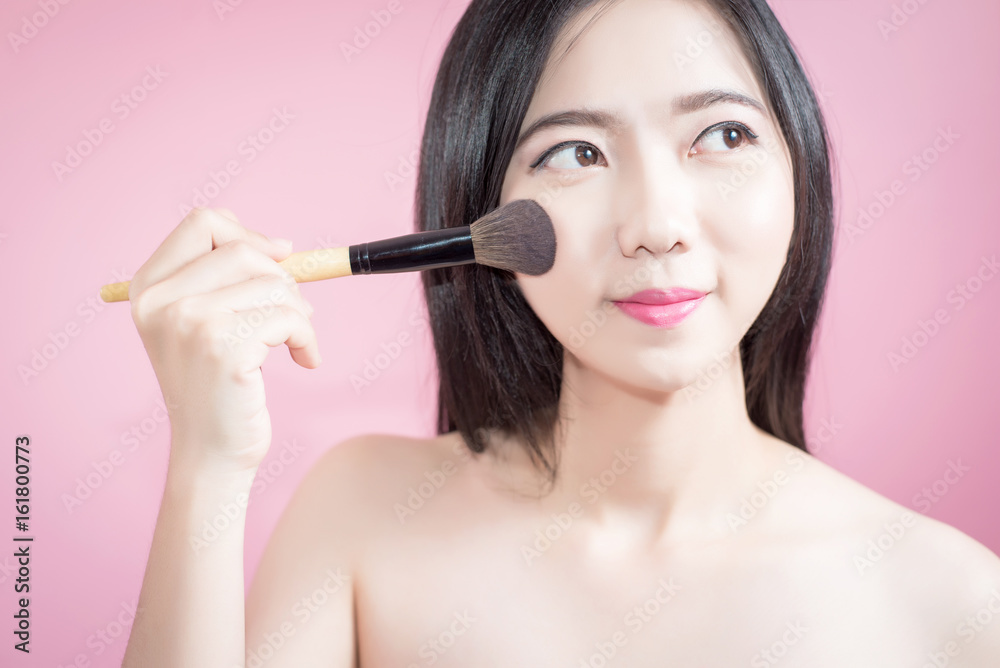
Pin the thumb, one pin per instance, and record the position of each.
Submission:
(274, 247)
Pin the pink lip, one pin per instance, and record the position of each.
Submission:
(662, 308)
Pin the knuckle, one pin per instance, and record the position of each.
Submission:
(307, 308)
(196, 330)
(240, 250)
(226, 213)
(292, 313)
(224, 219)
(134, 289)
(302, 321)
(278, 291)
(195, 219)
(140, 306)
(148, 305)
(264, 286)
(274, 282)
(184, 315)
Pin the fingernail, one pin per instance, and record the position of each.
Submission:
(287, 243)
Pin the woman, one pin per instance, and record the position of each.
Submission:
(617, 480)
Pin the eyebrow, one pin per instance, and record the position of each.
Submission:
(600, 118)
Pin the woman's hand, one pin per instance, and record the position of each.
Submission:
(208, 304)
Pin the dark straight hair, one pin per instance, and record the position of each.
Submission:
(499, 367)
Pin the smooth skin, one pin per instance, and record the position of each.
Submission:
(678, 533)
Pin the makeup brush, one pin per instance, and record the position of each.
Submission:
(517, 236)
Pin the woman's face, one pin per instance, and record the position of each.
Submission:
(664, 170)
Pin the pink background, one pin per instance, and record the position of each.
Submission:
(323, 181)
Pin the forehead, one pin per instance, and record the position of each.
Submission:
(641, 53)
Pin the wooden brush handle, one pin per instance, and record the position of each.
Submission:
(305, 266)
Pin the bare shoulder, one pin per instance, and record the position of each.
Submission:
(933, 543)
(386, 475)
(375, 462)
(939, 582)
(302, 599)
(834, 499)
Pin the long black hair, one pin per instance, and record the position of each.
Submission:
(499, 367)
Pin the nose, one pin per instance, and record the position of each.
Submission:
(656, 211)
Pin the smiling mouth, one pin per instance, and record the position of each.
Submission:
(662, 308)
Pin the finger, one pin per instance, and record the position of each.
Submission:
(264, 293)
(232, 263)
(227, 213)
(285, 326)
(200, 232)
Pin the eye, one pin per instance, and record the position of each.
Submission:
(725, 137)
(569, 155)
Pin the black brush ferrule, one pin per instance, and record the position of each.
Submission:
(423, 250)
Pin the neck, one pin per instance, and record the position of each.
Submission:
(653, 464)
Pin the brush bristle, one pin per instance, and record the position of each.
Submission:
(517, 236)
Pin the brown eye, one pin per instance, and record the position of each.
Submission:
(732, 137)
(586, 155)
(570, 155)
(724, 138)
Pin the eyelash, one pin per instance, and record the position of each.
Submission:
(543, 159)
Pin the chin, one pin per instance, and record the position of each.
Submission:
(659, 371)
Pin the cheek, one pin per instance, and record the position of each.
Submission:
(571, 286)
(562, 293)
(755, 211)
